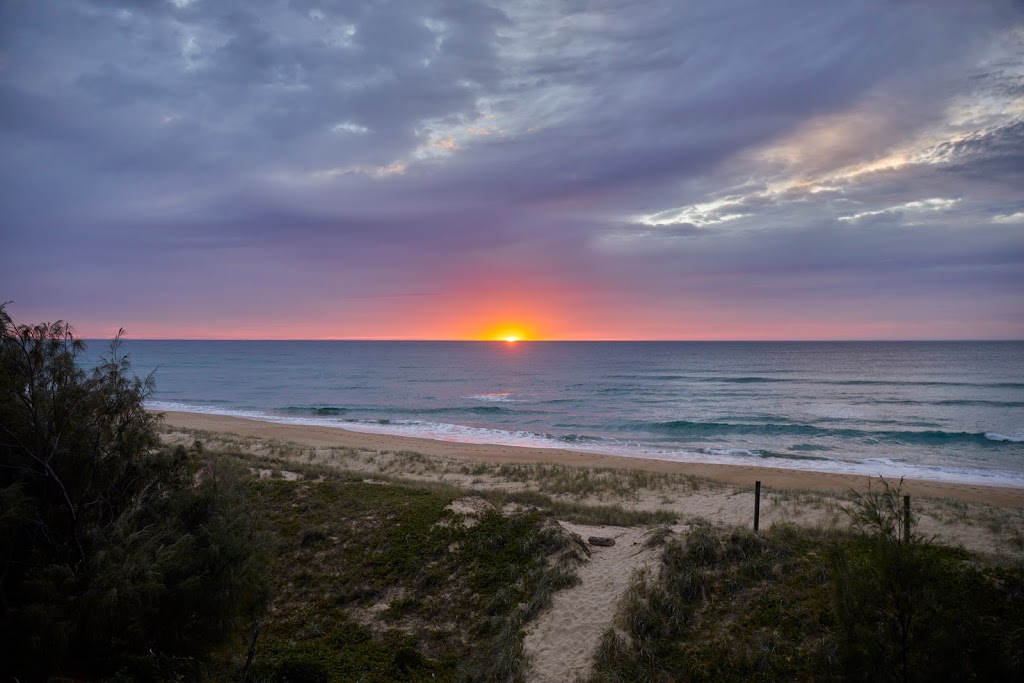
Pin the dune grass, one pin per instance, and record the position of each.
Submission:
(385, 583)
(799, 604)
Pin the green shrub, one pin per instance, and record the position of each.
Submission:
(910, 610)
(117, 556)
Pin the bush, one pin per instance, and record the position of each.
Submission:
(117, 555)
(911, 610)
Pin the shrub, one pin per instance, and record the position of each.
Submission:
(911, 610)
(115, 553)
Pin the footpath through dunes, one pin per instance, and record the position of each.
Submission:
(560, 645)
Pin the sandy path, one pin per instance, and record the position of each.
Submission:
(562, 641)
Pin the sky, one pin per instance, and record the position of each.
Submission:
(422, 169)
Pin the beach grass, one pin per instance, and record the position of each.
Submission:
(383, 582)
(814, 604)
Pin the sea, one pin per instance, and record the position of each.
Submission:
(949, 411)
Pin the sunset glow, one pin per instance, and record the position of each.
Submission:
(508, 334)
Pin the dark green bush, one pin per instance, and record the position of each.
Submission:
(117, 556)
(910, 610)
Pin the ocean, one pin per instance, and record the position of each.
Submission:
(950, 411)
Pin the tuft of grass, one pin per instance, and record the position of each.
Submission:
(880, 512)
(658, 536)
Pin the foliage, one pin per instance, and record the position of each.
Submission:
(881, 513)
(724, 605)
(117, 556)
(911, 610)
(381, 582)
(800, 604)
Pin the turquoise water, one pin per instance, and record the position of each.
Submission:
(938, 410)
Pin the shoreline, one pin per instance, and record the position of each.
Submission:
(737, 475)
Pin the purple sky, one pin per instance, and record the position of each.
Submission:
(737, 169)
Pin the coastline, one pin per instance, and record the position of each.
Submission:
(737, 475)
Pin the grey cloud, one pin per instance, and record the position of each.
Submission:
(995, 155)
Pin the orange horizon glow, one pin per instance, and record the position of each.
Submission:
(509, 335)
(537, 320)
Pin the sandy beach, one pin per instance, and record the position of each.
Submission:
(737, 475)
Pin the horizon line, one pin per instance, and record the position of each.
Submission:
(545, 341)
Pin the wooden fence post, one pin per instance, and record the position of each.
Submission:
(757, 505)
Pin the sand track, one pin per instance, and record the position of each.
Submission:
(562, 641)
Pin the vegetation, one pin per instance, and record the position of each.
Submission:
(799, 604)
(911, 610)
(117, 557)
(380, 582)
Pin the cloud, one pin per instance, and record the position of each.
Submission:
(607, 146)
(915, 207)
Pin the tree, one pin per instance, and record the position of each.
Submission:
(117, 555)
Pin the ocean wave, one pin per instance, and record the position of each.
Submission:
(579, 438)
(945, 402)
(500, 397)
(794, 456)
(920, 383)
(731, 451)
(761, 379)
(746, 380)
(460, 410)
(656, 378)
(995, 436)
(314, 410)
(339, 411)
(755, 453)
(684, 428)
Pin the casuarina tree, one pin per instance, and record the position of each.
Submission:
(118, 555)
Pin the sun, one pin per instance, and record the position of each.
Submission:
(510, 334)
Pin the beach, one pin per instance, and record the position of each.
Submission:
(735, 475)
(588, 495)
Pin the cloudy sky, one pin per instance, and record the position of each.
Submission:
(736, 169)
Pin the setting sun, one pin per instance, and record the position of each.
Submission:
(508, 334)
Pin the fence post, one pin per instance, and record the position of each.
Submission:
(906, 519)
(757, 505)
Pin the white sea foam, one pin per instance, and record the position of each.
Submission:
(731, 451)
(494, 398)
(1014, 438)
(886, 467)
